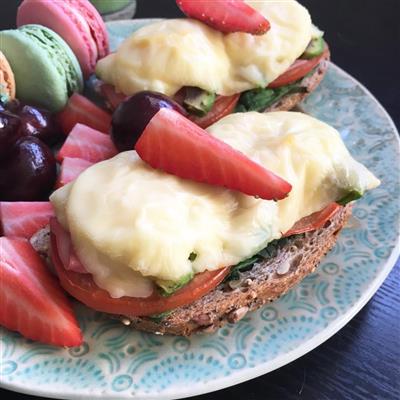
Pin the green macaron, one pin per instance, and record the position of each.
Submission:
(45, 68)
(109, 6)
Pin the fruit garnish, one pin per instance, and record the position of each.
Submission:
(88, 144)
(9, 132)
(176, 145)
(226, 15)
(80, 110)
(71, 168)
(132, 115)
(111, 97)
(24, 219)
(31, 300)
(28, 172)
(39, 123)
(14, 106)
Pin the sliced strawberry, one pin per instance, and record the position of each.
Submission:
(24, 219)
(71, 168)
(88, 144)
(65, 250)
(314, 221)
(112, 98)
(176, 145)
(80, 110)
(226, 15)
(31, 300)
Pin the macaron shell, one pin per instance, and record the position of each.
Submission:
(110, 6)
(7, 81)
(45, 69)
(76, 21)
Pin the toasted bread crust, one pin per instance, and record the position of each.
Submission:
(310, 83)
(264, 283)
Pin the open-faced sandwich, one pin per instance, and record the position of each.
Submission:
(255, 56)
(182, 252)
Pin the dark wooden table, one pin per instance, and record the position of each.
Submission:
(362, 361)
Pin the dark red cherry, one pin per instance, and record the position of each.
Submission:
(39, 123)
(132, 115)
(9, 132)
(29, 171)
(14, 106)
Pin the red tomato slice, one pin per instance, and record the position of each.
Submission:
(297, 70)
(223, 106)
(314, 221)
(81, 110)
(84, 289)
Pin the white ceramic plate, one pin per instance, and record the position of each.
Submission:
(116, 362)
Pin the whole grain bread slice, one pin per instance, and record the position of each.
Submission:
(231, 301)
(310, 82)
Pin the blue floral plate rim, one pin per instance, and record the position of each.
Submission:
(123, 386)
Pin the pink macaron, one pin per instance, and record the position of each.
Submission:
(76, 21)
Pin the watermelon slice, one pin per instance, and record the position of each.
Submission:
(81, 110)
(71, 168)
(24, 219)
(176, 145)
(88, 144)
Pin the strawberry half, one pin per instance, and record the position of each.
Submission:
(176, 145)
(226, 15)
(23, 219)
(81, 110)
(31, 300)
(88, 144)
(71, 168)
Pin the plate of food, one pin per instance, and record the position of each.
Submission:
(164, 214)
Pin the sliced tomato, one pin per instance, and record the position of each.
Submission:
(223, 106)
(81, 110)
(201, 157)
(314, 221)
(299, 69)
(83, 288)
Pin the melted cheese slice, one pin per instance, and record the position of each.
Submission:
(128, 221)
(167, 55)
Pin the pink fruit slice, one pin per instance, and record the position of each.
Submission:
(24, 219)
(71, 168)
(88, 144)
(31, 300)
(176, 145)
